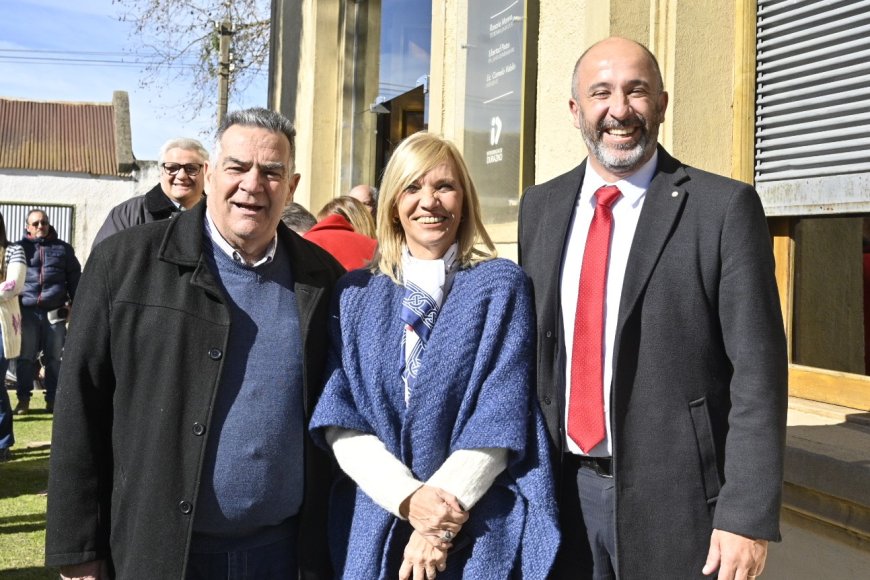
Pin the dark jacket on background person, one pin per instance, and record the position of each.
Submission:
(142, 364)
(153, 206)
(53, 271)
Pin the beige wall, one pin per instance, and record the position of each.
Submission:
(562, 36)
(702, 85)
(694, 43)
(447, 78)
(308, 53)
(356, 71)
(325, 76)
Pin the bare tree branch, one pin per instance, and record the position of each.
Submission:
(184, 36)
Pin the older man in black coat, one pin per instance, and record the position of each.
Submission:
(194, 361)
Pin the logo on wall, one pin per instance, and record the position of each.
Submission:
(495, 155)
(495, 131)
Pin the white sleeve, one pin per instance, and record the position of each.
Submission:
(14, 283)
(469, 473)
(365, 459)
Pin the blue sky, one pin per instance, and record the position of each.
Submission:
(92, 26)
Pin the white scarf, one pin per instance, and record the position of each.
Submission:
(427, 282)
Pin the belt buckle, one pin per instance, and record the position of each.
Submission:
(600, 471)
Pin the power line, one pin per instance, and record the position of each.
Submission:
(14, 52)
(88, 62)
(124, 60)
(80, 52)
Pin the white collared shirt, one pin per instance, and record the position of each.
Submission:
(216, 237)
(626, 212)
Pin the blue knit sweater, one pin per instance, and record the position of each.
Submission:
(474, 390)
(252, 478)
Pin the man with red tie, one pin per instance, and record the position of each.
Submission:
(662, 368)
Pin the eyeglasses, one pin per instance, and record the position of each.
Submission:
(191, 169)
(38, 223)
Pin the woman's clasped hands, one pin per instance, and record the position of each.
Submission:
(437, 519)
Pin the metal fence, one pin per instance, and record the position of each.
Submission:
(62, 217)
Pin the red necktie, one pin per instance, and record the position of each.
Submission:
(586, 407)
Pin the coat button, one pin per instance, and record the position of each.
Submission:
(185, 507)
(198, 429)
(547, 399)
(215, 354)
(549, 334)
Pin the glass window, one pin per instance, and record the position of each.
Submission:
(405, 58)
(406, 39)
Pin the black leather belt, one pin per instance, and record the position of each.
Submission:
(603, 466)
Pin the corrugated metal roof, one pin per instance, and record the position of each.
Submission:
(58, 136)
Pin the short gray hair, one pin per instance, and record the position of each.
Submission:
(297, 218)
(262, 118)
(186, 144)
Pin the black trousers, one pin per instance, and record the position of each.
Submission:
(587, 518)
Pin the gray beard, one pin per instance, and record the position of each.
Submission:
(631, 155)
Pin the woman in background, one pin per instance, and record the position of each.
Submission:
(346, 230)
(354, 211)
(432, 414)
(12, 273)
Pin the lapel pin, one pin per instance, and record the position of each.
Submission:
(675, 193)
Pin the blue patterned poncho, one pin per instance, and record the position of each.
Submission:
(474, 390)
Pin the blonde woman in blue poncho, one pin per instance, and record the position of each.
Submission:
(429, 406)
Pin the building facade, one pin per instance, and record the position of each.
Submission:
(772, 92)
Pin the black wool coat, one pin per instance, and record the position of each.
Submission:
(142, 363)
(699, 392)
(152, 206)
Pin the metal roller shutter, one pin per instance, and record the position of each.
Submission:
(812, 146)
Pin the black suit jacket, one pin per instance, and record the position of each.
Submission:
(699, 387)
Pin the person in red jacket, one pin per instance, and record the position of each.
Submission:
(346, 230)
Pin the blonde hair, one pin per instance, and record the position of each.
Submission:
(412, 159)
(354, 211)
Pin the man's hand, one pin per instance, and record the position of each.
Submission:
(422, 560)
(432, 511)
(736, 557)
(95, 570)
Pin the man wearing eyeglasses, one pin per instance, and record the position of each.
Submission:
(183, 163)
(53, 273)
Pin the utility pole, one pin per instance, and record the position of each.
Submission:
(225, 66)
